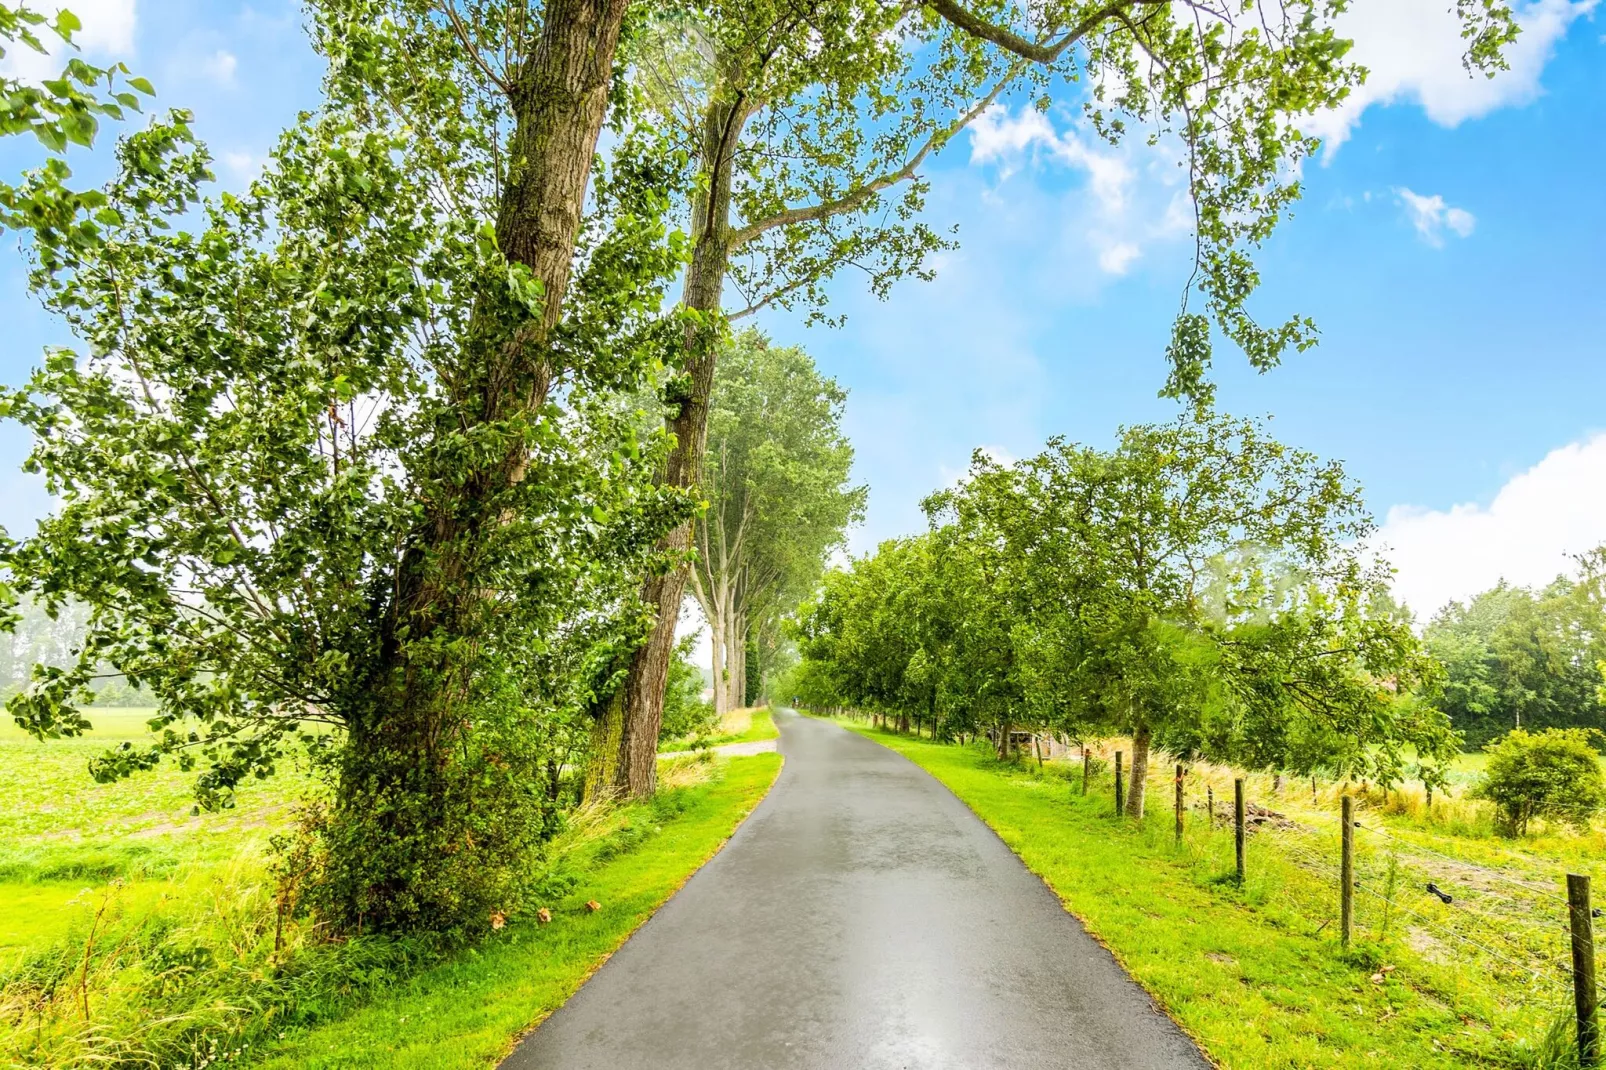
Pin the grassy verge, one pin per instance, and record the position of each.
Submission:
(134, 931)
(468, 1012)
(1257, 974)
(737, 726)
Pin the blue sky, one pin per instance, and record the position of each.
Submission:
(1451, 246)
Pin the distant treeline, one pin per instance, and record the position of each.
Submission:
(1517, 657)
(40, 639)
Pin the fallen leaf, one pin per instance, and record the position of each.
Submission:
(1377, 978)
(593, 906)
(543, 915)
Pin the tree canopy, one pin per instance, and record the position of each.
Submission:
(1521, 658)
(1198, 587)
(779, 501)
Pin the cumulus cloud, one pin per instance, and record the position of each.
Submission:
(1526, 535)
(108, 30)
(1431, 216)
(997, 135)
(220, 67)
(1117, 258)
(1413, 51)
(1119, 225)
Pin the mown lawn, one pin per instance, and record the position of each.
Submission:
(1257, 974)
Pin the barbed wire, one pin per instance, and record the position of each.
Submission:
(1307, 857)
(1532, 888)
(1440, 929)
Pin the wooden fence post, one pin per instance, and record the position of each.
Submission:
(1346, 870)
(1120, 794)
(1179, 804)
(1210, 805)
(1585, 1000)
(1238, 816)
(1084, 769)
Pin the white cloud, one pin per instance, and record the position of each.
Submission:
(1413, 50)
(1117, 258)
(243, 166)
(1525, 536)
(1431, 216)
(996, 135)
(108, 30)
(220, 67)
(1125, 214)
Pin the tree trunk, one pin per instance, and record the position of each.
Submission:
(739, 677)
(395, 787)
(607, 725)
(705, 281)
(717, 654)
(1140, 772)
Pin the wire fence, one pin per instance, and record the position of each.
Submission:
(1511, 924)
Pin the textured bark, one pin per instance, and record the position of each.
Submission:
(704, 289)
(607, 727)
(559, 104)
(739, 673)
(1140, 771)
(401, 748)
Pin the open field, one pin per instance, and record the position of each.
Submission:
(136, 931)
(1257, 974)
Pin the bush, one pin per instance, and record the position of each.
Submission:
(1551, 774)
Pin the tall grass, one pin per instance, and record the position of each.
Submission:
(171, 958)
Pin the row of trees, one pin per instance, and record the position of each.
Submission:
(1198, 587)
(779, 501)
(407, 440)
(1520, 658)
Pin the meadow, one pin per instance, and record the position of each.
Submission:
(136, 931)
(1257, 974)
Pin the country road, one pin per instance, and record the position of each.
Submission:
(862, 917)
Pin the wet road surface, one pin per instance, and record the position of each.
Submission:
(862, 917)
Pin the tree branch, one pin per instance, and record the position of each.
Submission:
(856, 197)
(1035, 51)
(461, 33)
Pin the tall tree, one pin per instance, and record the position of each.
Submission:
(776, 482)
(804, 119)
(371, 466)
(776, 102)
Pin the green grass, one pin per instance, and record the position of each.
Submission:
(172, 912)
(738, 726)
(63, 837)
(467, 1013)
(1257, 974)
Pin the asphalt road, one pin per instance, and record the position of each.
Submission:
(861, 917)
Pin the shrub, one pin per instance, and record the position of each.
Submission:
(1551, 774)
